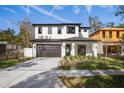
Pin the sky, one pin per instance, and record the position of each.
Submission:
(11, 15)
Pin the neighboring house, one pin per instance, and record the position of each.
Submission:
(111, 40)
(64, 39)
(7, 48)
(3, 47)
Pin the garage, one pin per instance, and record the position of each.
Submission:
(49, 50)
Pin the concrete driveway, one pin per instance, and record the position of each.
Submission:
(35, 73)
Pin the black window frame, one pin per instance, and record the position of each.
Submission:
(49, 30)
(85, 30)
(59, 30)
(39, 30)
(69, 29)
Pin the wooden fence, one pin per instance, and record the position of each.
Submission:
(10, 56)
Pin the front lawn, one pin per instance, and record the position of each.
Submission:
(103, 81)
(12, 62)
(91, 63)
(8, 63)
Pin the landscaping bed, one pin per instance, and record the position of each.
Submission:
(12, 62)
(102, 81)
(91, 63)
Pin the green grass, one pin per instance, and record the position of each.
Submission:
(103, 81)
(91, 63)
(12, 62)
(8, 63)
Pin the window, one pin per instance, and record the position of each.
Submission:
(40, 30)
(110, 34)
(59, 30)
(70, 30)
(117, 34)
(103, 34)
(49, 30)
(85, 30)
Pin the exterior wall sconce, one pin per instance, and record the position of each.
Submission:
(73, 46)
(34, 47)
(63, 46)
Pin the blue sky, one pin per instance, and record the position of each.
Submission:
(11, 14)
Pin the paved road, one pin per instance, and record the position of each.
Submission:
(35, 73)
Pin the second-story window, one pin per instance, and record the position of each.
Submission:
(103, 34)
(49, 30)
(40, 30)
(110, 34)
(117, 34)
(85, 30)
(59, 30)
(70, 30)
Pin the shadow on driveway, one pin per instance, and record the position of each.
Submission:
(45, 79)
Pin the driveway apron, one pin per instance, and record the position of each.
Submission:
(35, 73)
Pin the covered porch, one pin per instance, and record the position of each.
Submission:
(113, 48)
(79, 46)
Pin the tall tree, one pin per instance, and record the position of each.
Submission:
(120, 11)
(26, 33)
(8, 35)
(110, 24)
(95, 23)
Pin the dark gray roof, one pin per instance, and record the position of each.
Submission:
(56, 24)
(78, 39)
(67, 39)
(46, 40)
(85, 27)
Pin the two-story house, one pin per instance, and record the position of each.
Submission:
(111, 40)
(63, 39)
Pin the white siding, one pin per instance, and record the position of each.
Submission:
(55, 34)
(28, 52)
(34, 50)
(85, 34)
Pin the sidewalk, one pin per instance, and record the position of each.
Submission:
(76, 73)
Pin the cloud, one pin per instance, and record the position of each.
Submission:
(58, 7)
(88, 8)
(9, 10)
(76, 9)
(26, 9)
(106, 6)
(43, 11)
(55, 7)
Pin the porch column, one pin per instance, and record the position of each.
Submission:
(73, 49)
(94, 49)
(34, 50)
(63, 47)
(122, 49)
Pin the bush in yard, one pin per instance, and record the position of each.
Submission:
(91, 63)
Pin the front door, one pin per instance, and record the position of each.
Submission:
(68, 49)
(81, 49)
